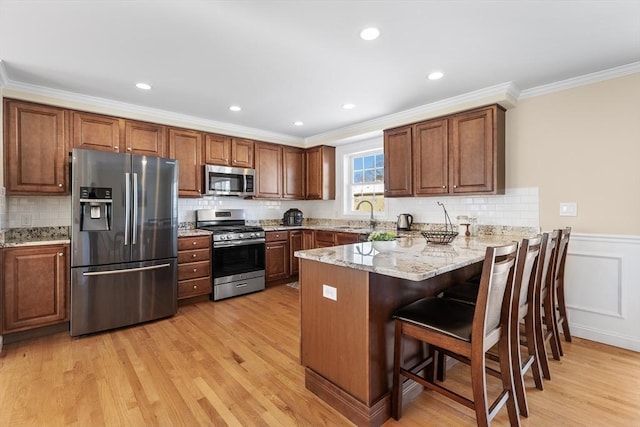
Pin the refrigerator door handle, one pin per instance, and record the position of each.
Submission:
(127, 270)
(134, 233)
(127, 206)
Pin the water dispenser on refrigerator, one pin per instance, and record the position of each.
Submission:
(95, 208)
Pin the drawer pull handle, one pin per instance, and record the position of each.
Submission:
(195, 286)
(195, 243)
(194, 256)
(195, 269)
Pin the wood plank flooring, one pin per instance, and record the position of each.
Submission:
(236, 363)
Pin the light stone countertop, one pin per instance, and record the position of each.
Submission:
(194, 232)
(412, 258)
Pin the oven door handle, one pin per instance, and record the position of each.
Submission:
(234, 243)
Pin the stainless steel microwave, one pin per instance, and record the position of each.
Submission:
(228, 181)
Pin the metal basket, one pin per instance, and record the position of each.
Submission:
(441, 237)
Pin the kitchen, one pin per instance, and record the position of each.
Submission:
(591, 148)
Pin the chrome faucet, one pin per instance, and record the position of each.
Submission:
(372, 222)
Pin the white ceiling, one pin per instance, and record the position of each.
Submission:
(284, 61)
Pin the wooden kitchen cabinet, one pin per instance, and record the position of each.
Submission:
(36, 287)
(186, 147)
(227, 151)
(324, 238)
(194, 266)
(268, 158)
(35, 149)
(397, 162)
(321, 173)
(147, 139)
(293, 173)
(277, 257)
(308, 239)
(95, 131)
(296, 243)
(345, 238)
(462, 153)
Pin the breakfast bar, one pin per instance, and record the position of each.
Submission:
(347, 297)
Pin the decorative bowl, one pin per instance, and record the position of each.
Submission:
(439, 237)
(384, 245)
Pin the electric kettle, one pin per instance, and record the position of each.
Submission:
(404, 221)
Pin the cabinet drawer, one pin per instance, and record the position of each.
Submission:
(194, 287)
(193, 256)
(199, 242)
(275, 236)
(193, 270)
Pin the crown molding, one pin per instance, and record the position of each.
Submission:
(505, 94)
(94, 104)
(587, 79)
(3, 74)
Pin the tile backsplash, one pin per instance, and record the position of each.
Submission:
(518, 207)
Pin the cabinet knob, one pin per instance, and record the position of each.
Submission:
(116, 148)
(195, 286)
(194, 243)
(194, 256)
(60, 185)
(195, 269)
(455, 186)
(128, 148)
(444, 186)
(60, 253)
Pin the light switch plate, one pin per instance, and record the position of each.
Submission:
(330, 292)
(569, 209)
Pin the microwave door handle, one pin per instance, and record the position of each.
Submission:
(127, 206)
(134, 222)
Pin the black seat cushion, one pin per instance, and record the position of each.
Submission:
(446, 316)
(465, 292)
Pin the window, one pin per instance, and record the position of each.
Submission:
(366, 181)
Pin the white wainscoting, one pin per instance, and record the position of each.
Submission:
(602, 280)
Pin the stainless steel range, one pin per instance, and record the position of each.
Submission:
(238, 252)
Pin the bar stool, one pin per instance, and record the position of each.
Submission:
(467, 330)
(562, 320)
(523, 320)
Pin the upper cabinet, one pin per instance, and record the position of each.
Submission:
(268, 170)
(227, 151)
(143, 138)
(186, 147)
(35, 148)
(95, 131)
(321, 173)
(293, 173)
(459, 154)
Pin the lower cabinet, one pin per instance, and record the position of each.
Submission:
(277, 258)
(296, 243)
(194, 266)
(344, 238)
(36, 287)
(324, 239)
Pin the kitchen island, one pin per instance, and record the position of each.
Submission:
(347, 297)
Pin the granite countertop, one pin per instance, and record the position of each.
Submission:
(193, 232)
(412, 258)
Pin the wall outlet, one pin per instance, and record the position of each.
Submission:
(569, 209)
(330, 292)
(25, 220)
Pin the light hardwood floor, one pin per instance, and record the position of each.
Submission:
(235, 362)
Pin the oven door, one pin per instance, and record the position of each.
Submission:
(237, 260)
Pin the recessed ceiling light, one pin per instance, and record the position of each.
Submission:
(235, 108)
(298, 123)
(435, 75)
(369, 33)
(348, 106)
(143, 86)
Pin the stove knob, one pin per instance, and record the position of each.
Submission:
(240, 236)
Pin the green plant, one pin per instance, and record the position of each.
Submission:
(381, 236)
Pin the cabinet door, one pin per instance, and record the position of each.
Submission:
(321, 173)
(397, 162)
(242, 153)
(473, 162)
(344, 238)
(186, 147)
(95, 132)
(277, 260)
(217, 149)
(295, 244)
(147, 139)
(324, 239)
(308, 239)
(293, 179)
(36, 286)
(35, 149)
(430, 158)
(268, 170)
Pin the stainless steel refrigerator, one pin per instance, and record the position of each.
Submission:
(123, 240)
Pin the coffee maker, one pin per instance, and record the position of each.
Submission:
(292, 217)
